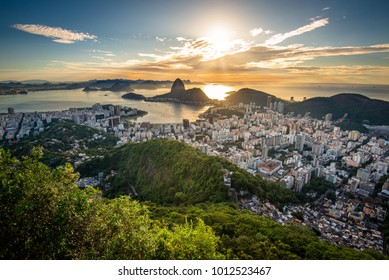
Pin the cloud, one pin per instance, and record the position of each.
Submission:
(181, 39)
(106, 53)
(256, 31)
(280, 37)
(102, 58)
(58, 34)
(326, 8)
(237, 59)
(149, 55)
(140, 36)
(272, 57)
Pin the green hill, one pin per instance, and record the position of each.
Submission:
(43, 215)
(248, 95)
(166, 171)
(360, 109)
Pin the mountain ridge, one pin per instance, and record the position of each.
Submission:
(359, 108)
(248, 95)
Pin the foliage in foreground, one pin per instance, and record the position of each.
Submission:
(43, 215)
(247, 236)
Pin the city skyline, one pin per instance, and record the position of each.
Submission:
(205, 41)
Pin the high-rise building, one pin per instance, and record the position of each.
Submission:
(300, 140)
(328, 117)
(275, 105)
(117, 110)
(336, 131)
(354, 135)
(280, 107)
(114, 121)
(99, 116)
(11, 111)
(111, 111)
(318, 149)
(185, 122)
(269, 99)
(265, 151)
(363, 174)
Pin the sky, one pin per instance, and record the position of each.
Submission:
(279, 41)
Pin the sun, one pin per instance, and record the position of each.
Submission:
(216, 91)
(220, 38)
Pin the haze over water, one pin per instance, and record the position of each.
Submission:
(55, 100)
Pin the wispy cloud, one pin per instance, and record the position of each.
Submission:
(102, 58)
(235, 59)
(106, 53)
(256, 31)
(326, 8)
(161, 39)
(271, 57)
(58, 34)
(280, 37)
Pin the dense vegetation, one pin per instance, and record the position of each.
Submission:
(360, 109)
(315, 189)
(60, 137)
(166, 171)
(43, 215)
(243, 235)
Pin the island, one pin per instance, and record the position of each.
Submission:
(133, 96)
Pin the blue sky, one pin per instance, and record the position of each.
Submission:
(207, 41)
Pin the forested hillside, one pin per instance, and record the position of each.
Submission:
(166, 171)
(43, 215)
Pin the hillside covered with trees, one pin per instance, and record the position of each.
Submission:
(359, 108)
(43, 215)
(248, 95)
(164, 171)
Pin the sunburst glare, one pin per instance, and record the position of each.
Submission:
(215, 91)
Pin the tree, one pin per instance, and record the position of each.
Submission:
(38, 208)
(188, 242)
(44, 215)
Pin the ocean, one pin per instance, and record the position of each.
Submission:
(56, 100)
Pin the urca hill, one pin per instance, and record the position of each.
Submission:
(179, 94)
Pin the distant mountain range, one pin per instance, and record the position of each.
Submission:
(118, 86)
(178, 93)
(92, 85)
